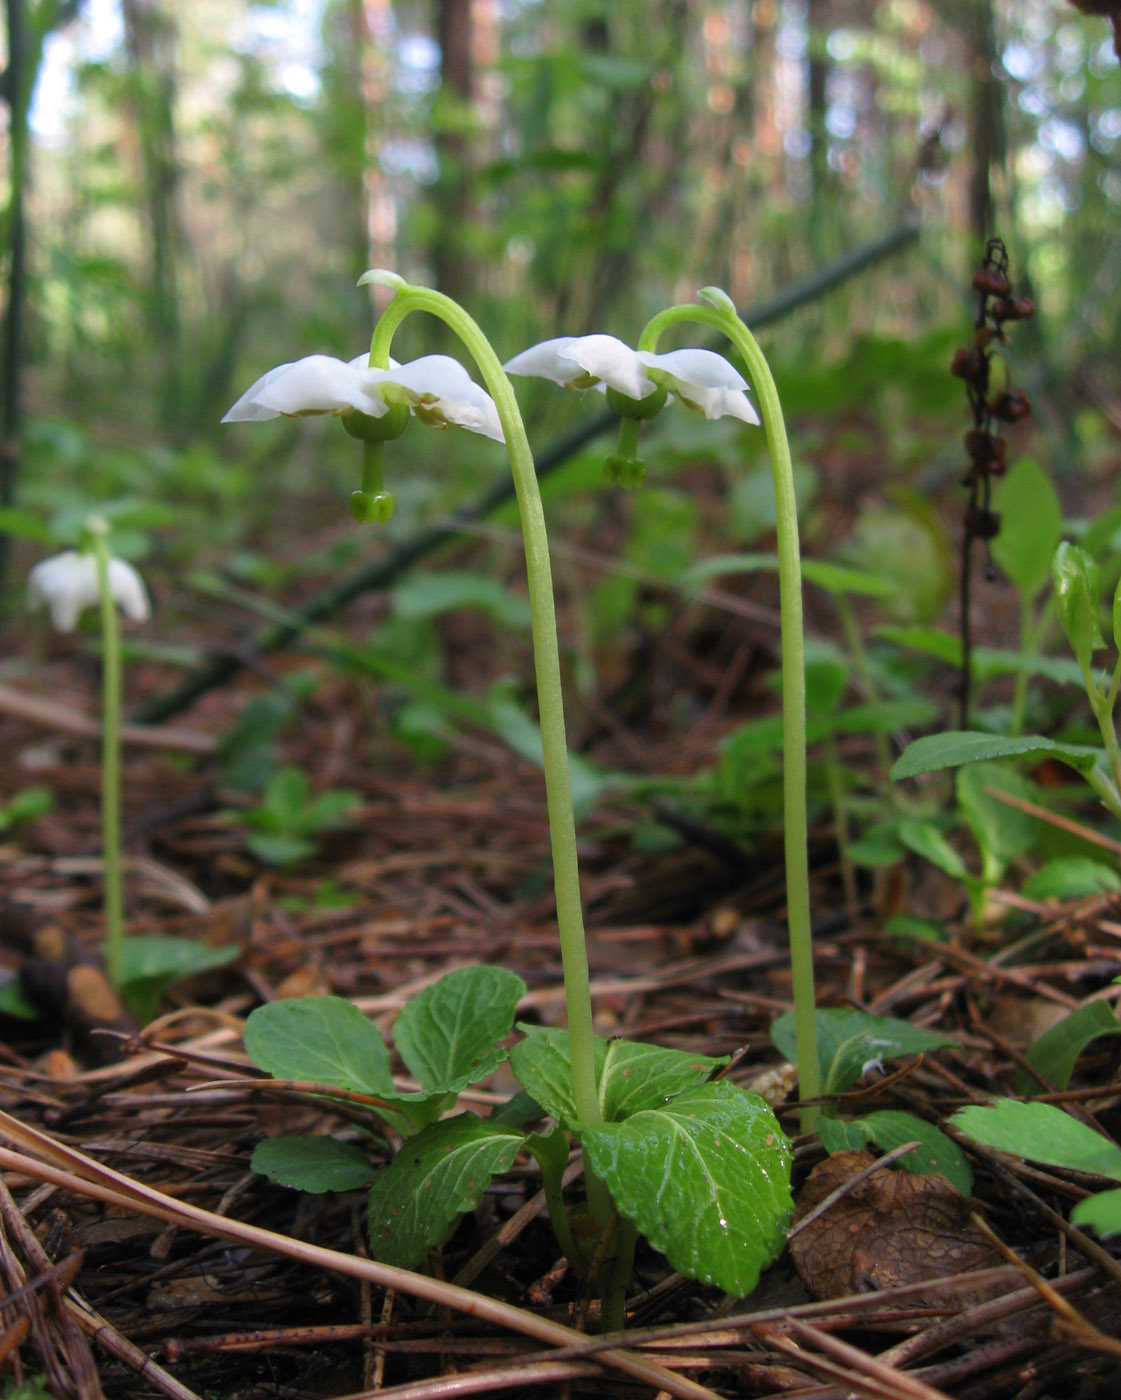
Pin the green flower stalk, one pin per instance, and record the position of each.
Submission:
(637, 384)
(720, 313)
(546, 660)
(67, 584)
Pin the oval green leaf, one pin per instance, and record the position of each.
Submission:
(889, 1128)
(850, 1042)
(416, 1200)
(1041, 1133)
(447, 1034)
(324, 1039)
(706, 1178)
(314, 1164)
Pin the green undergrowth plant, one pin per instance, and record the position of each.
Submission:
(287, 824)
(1046, 1133)
(851, 1043)
(1076, 580)
(693, 1162)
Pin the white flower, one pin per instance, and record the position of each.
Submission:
(441, 392)
(701, 379)
(67, 584)
(316, 384)
(436, 388)
(585, 362)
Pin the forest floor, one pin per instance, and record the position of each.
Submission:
(902, 1296)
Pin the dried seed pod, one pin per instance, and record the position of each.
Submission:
(992, 282)
(1012, 309)
(1010, 406)
(970, 365)
(982, 523)
(984, 449)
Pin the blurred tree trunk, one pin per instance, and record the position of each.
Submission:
(817, 80)
(150, 40)
(451, 259)
(27, 31)
(988, 129)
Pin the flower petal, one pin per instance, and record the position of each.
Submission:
(543, 362)
(127, 590)
(611, 360)
(441, 392)
(315, 384)
(703, 380)
(585, 362)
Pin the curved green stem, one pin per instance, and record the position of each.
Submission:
(721, 314)
(546, 657)
(110, 761)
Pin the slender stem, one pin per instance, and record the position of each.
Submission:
(110, 763)
(546, 657)
(721, 314)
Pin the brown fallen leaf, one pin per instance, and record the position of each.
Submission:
(891, 1229)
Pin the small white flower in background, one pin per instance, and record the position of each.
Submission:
(66, 585)
(437, 389)
(701, 379)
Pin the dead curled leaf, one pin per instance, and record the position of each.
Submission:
(893, 1228)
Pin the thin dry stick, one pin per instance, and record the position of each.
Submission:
(73, 1171)
(107, 1336)
(1081, 1329)
(896, 1384)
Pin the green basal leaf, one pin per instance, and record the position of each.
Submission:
(851, 1042)
(886, 716)
(705, 1177)
(1001, 831)
(1041, 1133)
(636, 1077)
(1071, 877)
(542, 1066)
(888, 1129)
(416, 1200)
(1101, 1213)
(1031, 525)
(927, 841)
(279, 850)
(427, 594)
(960, 746)
(150, 964)
(314, 1164)
(1056, 1051)
(631, 1076)
(446, 1034)
(324, 1039)
(1077, 581)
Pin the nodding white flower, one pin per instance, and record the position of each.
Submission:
(315, 384)
(585, 362)
(701, 379)
(441, 392)
(436, 388)
(67, 584)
